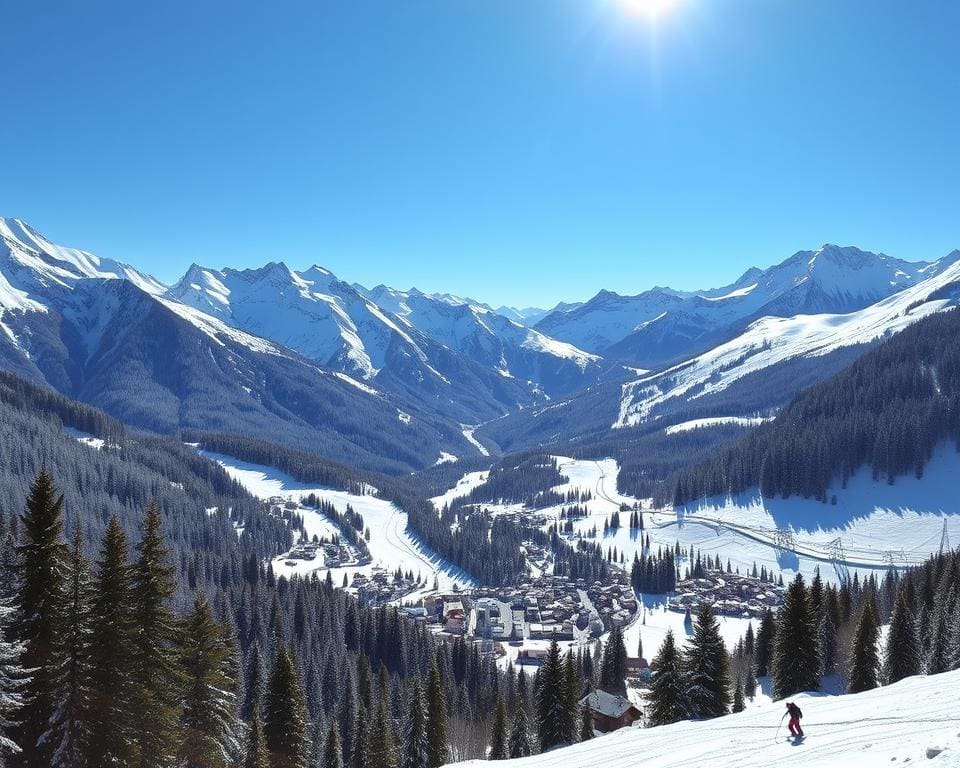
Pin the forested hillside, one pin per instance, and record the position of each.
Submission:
(888, 411)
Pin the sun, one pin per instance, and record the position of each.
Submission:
(652, 9)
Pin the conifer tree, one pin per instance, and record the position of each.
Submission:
(706, 667)
(738, 705)
(796, 657)
(520, 745)
(41, 569)
(416, 745)
(347, 720)
(382, 752)
(69, 726)
(668, 694)
(254, 683)
(902, 652)
(765, 641)
(112, 738)
(361, 739)
(436, 720)
(209, 728)
(157, 675)
(332, 754)
(939, 651)
(13, 677)
(572, 685)
(865, 661)
(551, 701)
(586, 724)
(285, 714)
(498, 733)
(613, 670)
(256, 755)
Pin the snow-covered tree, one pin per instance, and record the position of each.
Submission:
(668, 694)
(498, 732)
(416, 744)
(706, 666)
(796, 655)
(865, 660)
(285, 714)
(209, 726)
(12, 680)
(902, 651)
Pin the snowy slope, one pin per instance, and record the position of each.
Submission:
(910, 723)
(662, 324)
(391, 544)
(774, 340)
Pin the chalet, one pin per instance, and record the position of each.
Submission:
(609, 711)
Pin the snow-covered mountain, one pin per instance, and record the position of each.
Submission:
(662, 325)
(491, 339)
(751, 374)
(335, 324)
(105, 333)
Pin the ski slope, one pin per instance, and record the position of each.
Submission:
(911, 723)
(391, 543)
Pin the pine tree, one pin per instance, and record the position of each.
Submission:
(382, 752)
(254, 683)
(69, 732)
(572, 685)
(416, 745)
(42, 572)
(865, 661)
(13, 678)
(436, 720)
(939, 651)
(902, 652)
(285, 714)
(668, 694)
(796, 658)
(706, 665)
(361, 739)
(551, 702)
(256, 755)
(498, 733)
(738, 705)
(332, 754)
(209, 702)
(112, 738)
(613, 670)
(520, 745)
(586, 724)
(765, 642)
(157, 677)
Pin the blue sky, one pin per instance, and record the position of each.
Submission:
(518, 151)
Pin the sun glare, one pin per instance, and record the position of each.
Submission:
(651, 9)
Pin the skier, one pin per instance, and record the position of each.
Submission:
(795, 714)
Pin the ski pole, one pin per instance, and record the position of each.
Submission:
(779, 726)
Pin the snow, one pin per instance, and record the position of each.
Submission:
(391, 544)
(445, 458)
(468, 434)
(463, 487)
(743, 421)
(354, 383)
(913, 721)
(773, 340)
(86, 438)
(218, 330)
(873, 525)
(736, 293)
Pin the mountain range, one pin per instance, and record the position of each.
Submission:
(396, 380)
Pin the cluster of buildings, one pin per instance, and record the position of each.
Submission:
(382, 587)
(537, 608)
(729, 594)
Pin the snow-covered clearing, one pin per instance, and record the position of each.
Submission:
(468, 434)
(391, 543)
(912, 722)
(87, 439)
(742, 421)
